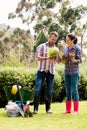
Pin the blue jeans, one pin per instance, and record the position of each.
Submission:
(49, 82)
(71, 85)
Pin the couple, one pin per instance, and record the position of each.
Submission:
(46, 69)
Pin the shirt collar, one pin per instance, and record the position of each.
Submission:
(47, 44)
(73, 48)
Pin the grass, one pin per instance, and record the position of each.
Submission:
(43, 121)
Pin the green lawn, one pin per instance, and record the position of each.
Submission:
(43, 121)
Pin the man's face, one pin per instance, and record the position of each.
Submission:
(52, 39)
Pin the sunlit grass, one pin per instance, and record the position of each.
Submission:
(43, 121)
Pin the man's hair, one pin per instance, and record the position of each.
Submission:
(54, 33)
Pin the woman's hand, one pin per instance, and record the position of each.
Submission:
(72, 59)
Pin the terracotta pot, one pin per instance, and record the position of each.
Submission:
(26, 115)
(30, 114)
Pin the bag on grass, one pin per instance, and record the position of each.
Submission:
(12, 109)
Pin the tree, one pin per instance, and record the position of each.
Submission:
(40, 39)
(16, 47)
(42, 11)
(29, 11)
(81, 31)
(64, 20)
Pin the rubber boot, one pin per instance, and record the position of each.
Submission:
(76, 105)
(48, 104)
(36, 104)
(68, 107)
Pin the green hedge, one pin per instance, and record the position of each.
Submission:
(7, 74)
(27, 81)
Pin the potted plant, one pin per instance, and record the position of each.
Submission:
(72, 54)
(27, 112)
(52, 52)
(64, 58)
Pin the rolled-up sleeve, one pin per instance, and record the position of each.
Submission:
(79, 56)
(39, 51)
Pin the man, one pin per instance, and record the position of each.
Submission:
(45, 70)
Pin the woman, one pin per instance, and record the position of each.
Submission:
(71, 73)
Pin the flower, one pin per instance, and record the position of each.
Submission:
(27, 112)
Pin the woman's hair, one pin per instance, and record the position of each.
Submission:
(72, 37)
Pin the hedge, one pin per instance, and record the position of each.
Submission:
(27, 81)
(7, 74)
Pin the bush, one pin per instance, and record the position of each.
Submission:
(27, 81)
(83, 86)
(59, 89)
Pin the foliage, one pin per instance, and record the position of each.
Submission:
(83, 86)
(48, 4)
(62, 32)
(11, 15)
(1, 33)
(42, 11)
(68, 16)
(17, 48)
(52, 52)
(6, 40)
(27, 81)
(59, 90)
(27, 109)
(40, 39)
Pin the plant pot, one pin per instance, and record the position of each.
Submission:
(26, 115)
(30, 114)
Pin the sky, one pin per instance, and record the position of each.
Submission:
(8, 6)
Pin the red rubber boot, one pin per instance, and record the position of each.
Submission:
(68, 107)
(76, 106)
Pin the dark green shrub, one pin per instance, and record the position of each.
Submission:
(27, 80)
(59, 89)
(83, 86)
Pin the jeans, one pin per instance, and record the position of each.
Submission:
(40, 77)
(71, 85)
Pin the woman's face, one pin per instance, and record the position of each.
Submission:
(69, 42)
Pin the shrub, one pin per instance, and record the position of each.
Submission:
(27, 81)
(83, 86)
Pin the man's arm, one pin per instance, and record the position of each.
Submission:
(58, 58)
(40, 58)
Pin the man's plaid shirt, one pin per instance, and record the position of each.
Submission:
(45, 65)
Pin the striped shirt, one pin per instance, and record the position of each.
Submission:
(71, 67)
(45, 65)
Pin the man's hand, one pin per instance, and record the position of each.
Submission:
(51, 58)
(64, 59)
(42, 58)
